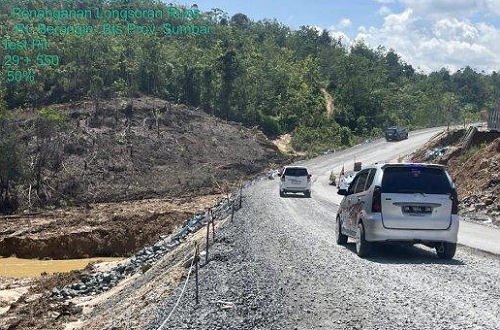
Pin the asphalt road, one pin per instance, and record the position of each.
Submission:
(277, 266)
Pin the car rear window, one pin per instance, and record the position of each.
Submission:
(296, 172)
(415, 179)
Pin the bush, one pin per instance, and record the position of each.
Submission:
(53, 116)
(270, 126)
(314, 140)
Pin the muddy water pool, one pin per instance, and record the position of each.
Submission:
(20, 268)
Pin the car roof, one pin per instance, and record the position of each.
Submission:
(296, 167)
(386, 165)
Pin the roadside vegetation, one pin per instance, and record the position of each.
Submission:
(262, 74)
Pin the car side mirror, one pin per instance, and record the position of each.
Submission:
(342, 192)
(309, 175)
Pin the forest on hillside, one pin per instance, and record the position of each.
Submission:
(259, 73)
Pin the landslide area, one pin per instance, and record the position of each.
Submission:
(478, 182)
(475, 171)
(112, 176)
(131, 149)
(97, 230)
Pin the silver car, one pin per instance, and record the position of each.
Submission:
(295, 179)
(411, 203)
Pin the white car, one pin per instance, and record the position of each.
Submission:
(402, 202)
(295, 179)
(346, 179)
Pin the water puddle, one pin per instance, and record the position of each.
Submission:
(20, 268)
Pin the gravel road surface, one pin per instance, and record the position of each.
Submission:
(277, 266)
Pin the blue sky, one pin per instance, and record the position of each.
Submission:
(429, 34)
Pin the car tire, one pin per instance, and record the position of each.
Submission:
(307, 193)
(282, 193)
(341, 238)
(446, 251)
(363, 247)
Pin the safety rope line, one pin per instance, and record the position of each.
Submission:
(180, 296)
(189, 274)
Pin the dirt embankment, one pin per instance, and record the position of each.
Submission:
(117, 152)
(131, 149)
(114, 178)
(100, 230)
(475, 171)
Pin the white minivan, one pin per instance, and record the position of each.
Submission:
(295, 179)
(402, 202)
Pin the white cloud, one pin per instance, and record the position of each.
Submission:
(399, 22)
(431, 34)
(339, 35)
(344, 22)
(453, 29)
(493, 6)
(384, 11)
(452, 8)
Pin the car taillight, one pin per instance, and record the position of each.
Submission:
(454, 202)
(377, 200)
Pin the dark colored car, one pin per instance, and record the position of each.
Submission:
(396, 133)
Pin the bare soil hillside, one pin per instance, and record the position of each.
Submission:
(117, 152)
(115, 176)
(131, 149)
(475, 171)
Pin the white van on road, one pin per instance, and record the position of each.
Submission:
(295, 179)
(411, 203)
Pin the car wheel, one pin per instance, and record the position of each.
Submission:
(307, 193)
(282, 194)
(341, 238)
(446, 250)
(363, 247)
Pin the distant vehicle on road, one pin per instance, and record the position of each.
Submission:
(396, 133)
(410, 203)
(494, 119)
(332, 180)
(295, 179)
(346, 179)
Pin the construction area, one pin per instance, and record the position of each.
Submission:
(472, 157)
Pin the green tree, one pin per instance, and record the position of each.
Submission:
(12, 161)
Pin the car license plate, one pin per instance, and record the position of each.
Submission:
(417, 209)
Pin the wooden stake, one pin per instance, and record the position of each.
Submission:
(196, 269)
(241, 196)
(213, 225)
(208, 241)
